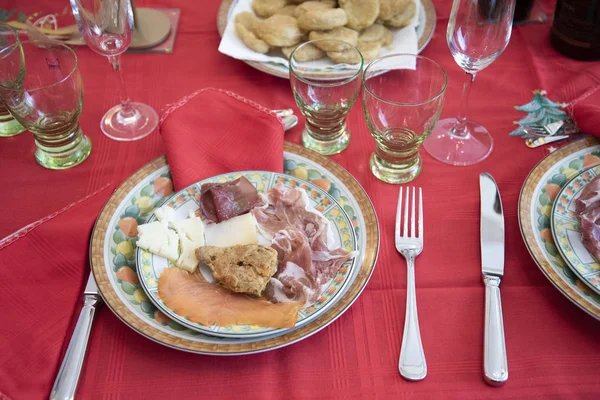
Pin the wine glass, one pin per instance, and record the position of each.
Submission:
(106, 26)
(9, 41)
(478, 32)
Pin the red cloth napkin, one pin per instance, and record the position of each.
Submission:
(583, 97)
(214, 131)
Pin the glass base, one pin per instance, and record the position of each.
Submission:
(137, 122)
(66, 159)
(461, 150)
(390, 174)
(10, 127)
(326, 147)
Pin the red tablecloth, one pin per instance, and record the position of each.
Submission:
(553, 346)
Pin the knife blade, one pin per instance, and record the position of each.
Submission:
(66, 381)
(495, 364)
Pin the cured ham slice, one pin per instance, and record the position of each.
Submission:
(590, 231)
(191, 296)
(590, 196)
(222, 201)
(305, 262)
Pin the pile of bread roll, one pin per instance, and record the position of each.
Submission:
(286, 24)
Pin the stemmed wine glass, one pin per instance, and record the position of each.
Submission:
(106, 26)
(478, 32)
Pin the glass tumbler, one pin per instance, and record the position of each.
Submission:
(325, 89)
(402, 101)
(9, 39)
(42, 89)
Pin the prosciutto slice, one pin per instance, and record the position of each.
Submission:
(590, 196)
(222, 201)
(305, 262)
(590, 231)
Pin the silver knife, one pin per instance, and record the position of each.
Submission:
(495, 364)
(68, 375)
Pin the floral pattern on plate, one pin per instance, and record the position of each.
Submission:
(151, 193)
(544, 196)
(566, 230)
(187, 200)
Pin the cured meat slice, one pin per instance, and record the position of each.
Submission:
(305, 262)
(191, 296)
(288, 209)
(589, 197)
(222, 201)
(590, 231)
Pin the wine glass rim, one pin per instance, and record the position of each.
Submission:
(67, 76)
(325, 84)
(416, 56)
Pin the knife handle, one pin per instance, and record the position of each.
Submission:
(68, 375)
(495, 364)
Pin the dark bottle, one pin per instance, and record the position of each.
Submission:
(576, 29)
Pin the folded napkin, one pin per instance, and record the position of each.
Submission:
(405, 39)
(214, 131)
(583, 97)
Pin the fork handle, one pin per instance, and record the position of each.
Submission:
(495, 364)
(68, 375)
(412, 364)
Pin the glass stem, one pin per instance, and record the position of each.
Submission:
(115, 62)
(460, 129)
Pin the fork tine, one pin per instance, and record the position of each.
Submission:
(398, 213)
(405, 230)
(412, 215)
(420, 213)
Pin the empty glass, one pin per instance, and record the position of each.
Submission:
(106, 26)
(41, 86)
(9, 39)
(325, 90)
(402, 101)
(478, 32)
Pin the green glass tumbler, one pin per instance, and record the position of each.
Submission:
(42, 88)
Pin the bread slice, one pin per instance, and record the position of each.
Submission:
(241, 268)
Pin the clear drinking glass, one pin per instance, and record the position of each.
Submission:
(325, 90)
(106, 26)
(41, 87)
(9, 39)
(478, 32)
(402, 100)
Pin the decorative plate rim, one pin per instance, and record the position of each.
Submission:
(564, 256)
(524, 217)
(267, 332)
(424, 39)
(111, 299)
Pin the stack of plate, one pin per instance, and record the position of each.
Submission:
(549, 224)
(127, 277)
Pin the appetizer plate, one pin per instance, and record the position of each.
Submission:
(150, 266)
(539, 191)
(112, 254)
(425, 29)
(566, 230)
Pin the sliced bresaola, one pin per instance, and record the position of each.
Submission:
(589, 197)
(222, 201)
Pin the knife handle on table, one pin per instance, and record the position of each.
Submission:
(495, 364)
(68, 375)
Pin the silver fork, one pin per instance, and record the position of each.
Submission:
(412, 364)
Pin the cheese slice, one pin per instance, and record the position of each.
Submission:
(237, 230)
(191, 236)
(158, 239)
(165, 214)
